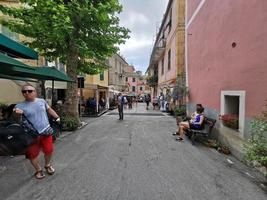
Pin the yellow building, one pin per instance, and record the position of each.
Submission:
(96, 88)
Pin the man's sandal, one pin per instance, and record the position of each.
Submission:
(49, 169)
(179, 139)
(39, 174)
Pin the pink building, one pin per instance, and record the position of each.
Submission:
(136, 82)
(132, 84)
(131, 79)
(142, 87)
(226, 61)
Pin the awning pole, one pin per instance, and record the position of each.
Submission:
(97, 100)
(52, 98)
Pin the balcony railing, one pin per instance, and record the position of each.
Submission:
(152, 80)
(161, 43)
(159, 49)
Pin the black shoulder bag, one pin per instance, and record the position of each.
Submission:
(28, 127)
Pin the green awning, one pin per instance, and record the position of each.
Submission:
(10, 67)
(51, 73)
(15, 68)
(7, 61)
(16, 49)
(2, 76)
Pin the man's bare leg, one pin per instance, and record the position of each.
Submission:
(38, 169)
(47, 159)
(48, 166)
(36, 164)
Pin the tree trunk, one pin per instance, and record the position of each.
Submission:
(71, 99)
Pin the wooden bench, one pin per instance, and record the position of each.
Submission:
(206, 131)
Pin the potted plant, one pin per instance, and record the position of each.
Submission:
(3, 106)
(180, 113)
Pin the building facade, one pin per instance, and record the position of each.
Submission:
(96, 88)
(136, 82)
(116, 73)
(131, 80)
(167, 58)
(226, 61)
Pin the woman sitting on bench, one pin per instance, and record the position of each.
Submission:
(196, 121)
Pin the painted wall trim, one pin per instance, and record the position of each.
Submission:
(195, 13)
(242, 96)
(186, 49)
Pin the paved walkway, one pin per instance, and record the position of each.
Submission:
(139, 109)
(136, 158)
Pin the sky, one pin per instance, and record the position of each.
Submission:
(143, 18)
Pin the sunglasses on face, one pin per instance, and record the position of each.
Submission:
(26, 91)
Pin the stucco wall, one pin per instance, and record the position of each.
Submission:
(168, 74)
(192, 6)
(171, 44)
(131, 84)
(117, 65)
(10, 92)
(214, 65)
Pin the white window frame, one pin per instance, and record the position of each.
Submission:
(242, 95)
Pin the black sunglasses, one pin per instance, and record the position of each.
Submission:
(25, 91)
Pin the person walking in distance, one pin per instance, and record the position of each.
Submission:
(120, 101)
(147, 100)
(35, 110)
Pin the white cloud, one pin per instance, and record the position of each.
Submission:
(135, 43)
(142, 17)
(133, 19)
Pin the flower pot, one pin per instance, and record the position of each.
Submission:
(225, 150)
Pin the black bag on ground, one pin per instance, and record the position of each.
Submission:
(16, 138)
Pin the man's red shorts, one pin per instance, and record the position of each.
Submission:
(42, 142)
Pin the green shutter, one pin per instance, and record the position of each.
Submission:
(101, 76)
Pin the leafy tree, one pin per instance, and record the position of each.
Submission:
(81, 33)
